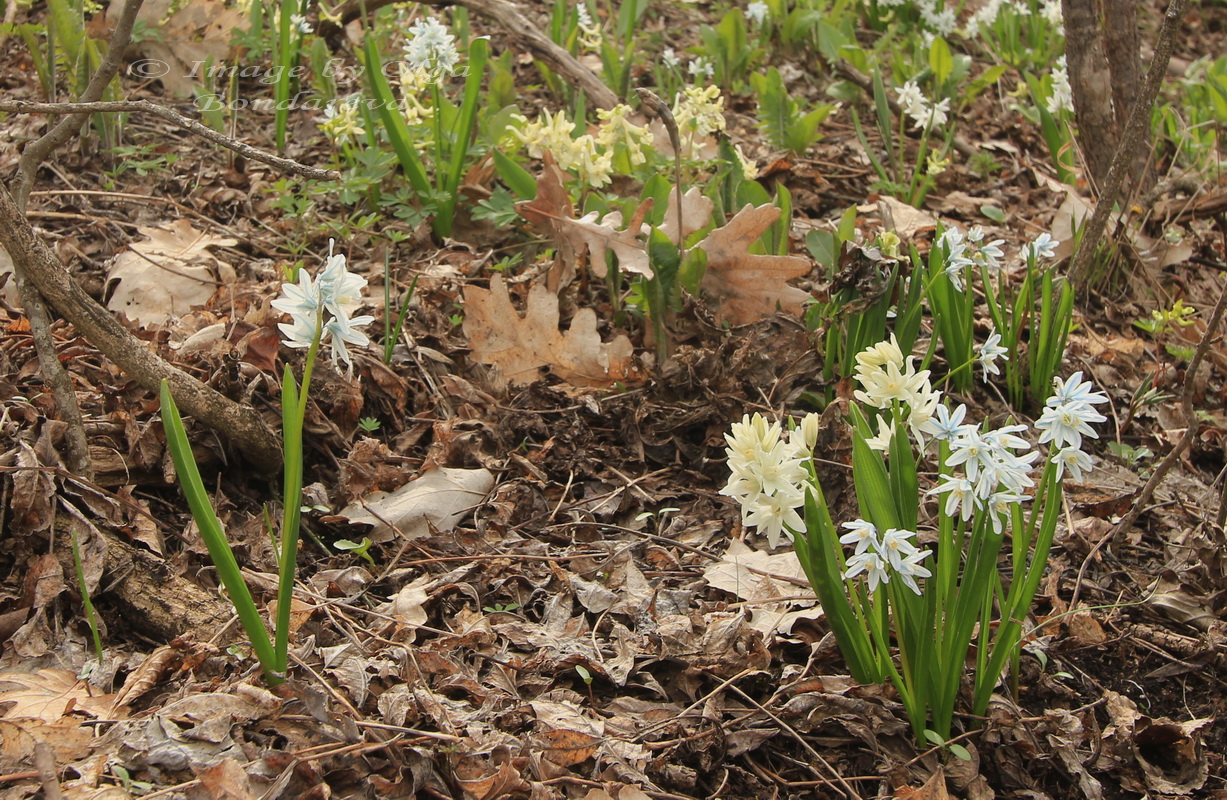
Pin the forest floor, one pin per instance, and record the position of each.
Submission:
(590, 618)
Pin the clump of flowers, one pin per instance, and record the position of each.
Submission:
(432, 47)
(590, 156)
(341, 121)
(768, 475)
(320, 309)
(699, 112)
(903, 612)
(924, 114)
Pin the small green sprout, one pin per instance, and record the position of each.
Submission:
(359, 549)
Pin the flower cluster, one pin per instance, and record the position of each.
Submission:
(582, 154)
(887, 378)
(987, 14)
(878, 557)
(994, 475)
(924, 114)
(320, 309)
(768, 473)
(757, 11)
(432, 47)
(699, 113)
(413, 82)
(590, 32)
(1066, 419)
(341, 121)
(1062, 97)
(969, 251)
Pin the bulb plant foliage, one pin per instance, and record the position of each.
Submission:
(320, 311)
(920, 596)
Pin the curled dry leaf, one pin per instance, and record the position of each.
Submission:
(168, 274)
(520, 346)
(749, 287)
(438, 498)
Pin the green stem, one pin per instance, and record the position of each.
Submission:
(293, 413)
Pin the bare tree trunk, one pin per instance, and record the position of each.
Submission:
(1122, 43)
(1091, 81)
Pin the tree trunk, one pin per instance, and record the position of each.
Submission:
(1122, 43)
(1091, 81)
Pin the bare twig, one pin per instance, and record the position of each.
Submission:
(44, 761)
(1123, 158)
(1190, 420)
(144, 106)
(34, 258)
(38, 151)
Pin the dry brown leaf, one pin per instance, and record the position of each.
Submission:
(437, 498)
(600, 237)
(168, 274)
(520, 346)
(549, 211)
(750, 287)
(225, 780)
(903, 219)
(178, 44)
(51, 695)
(19, 737)
(932, 789)
(33, 492)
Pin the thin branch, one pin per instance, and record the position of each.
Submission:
(38, 151)
(1123, 158)
(128, 106)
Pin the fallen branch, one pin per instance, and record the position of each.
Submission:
(144, 106)
(1122, 159)
(33, 258)
(514, 23)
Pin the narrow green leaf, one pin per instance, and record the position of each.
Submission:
(214, 536)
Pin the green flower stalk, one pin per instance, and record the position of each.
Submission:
(319, 314)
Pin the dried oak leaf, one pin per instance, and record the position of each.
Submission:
(546, 212)
(748, 287)
(519, 346)
(50, 695)
(183, 40)
(167, 274)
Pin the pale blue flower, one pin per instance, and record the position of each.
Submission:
(945, 424)
(961, 499)
(872, 565)
(1074, 460)
(990, 351)
(909, 569)
(1074, 392)
(342, 331)
(1066, 424)
(1044, 246)
(863, 534)
(896, 545)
